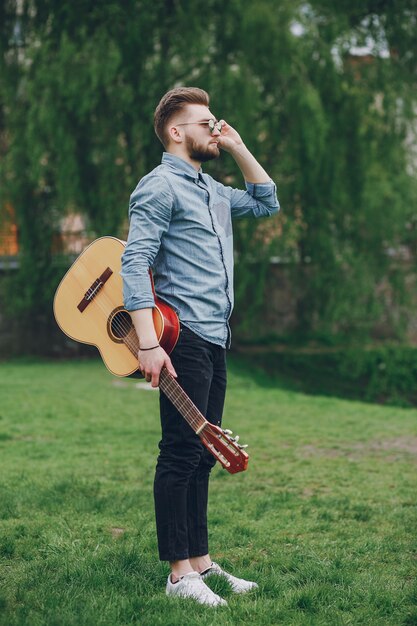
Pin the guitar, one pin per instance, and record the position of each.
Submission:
(88, 307)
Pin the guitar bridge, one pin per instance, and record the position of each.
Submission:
(92, 291)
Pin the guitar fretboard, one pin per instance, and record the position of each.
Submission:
(174, 392)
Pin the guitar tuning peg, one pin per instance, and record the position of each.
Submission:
(242, 446)
(227, 431)
(236, 439)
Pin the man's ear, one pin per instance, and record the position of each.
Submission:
(175, 134)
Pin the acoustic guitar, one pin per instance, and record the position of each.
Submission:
(88, 307)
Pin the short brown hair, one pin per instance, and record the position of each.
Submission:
(172, 102)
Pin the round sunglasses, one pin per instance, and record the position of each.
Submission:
(212, 124)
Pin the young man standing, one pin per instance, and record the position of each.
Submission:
(180, 225)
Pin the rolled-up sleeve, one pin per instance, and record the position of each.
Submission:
(259, 200)
(150, 211)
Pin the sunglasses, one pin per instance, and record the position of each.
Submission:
(212, 124)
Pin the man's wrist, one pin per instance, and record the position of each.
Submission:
(240, 150)
(252, 171)
(144, 349)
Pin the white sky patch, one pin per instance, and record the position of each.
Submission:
(358, 42)
(369, 49)
(297, 29)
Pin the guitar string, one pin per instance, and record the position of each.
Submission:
(116, 322)
(124, 327)
(121, 325)
(182, 402)
(194, 416)
(228, 445)
(186, 402)
(185, 405)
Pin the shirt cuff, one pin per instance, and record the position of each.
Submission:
(135, 303)
(259, 190)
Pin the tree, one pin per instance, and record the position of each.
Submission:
(79, 84)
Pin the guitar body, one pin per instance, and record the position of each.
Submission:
(93, 313)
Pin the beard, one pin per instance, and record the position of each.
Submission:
(201, 153)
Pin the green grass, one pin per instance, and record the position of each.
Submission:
(324, 518)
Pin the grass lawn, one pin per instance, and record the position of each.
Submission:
(324, 518)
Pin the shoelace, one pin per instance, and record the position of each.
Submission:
(205, 594)
(238, 585)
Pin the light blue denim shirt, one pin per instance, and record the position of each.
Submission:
(181, 227)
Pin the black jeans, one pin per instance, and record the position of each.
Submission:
(184, 464)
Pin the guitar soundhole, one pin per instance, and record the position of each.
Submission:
(119, 324)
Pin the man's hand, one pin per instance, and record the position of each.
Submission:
(229, 140)
(152, 361)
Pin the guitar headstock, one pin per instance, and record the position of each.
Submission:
(226, 449)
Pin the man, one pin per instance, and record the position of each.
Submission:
(180, 225)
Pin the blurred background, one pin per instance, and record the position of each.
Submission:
(323, 93)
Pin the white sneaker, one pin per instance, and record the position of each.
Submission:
(192, 586)
(239, 585)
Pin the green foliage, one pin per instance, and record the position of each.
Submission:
(79, 84)
(386, 374)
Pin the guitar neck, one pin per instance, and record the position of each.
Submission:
(174, 392)
(181, 401)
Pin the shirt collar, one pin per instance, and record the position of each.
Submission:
(180, 166)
